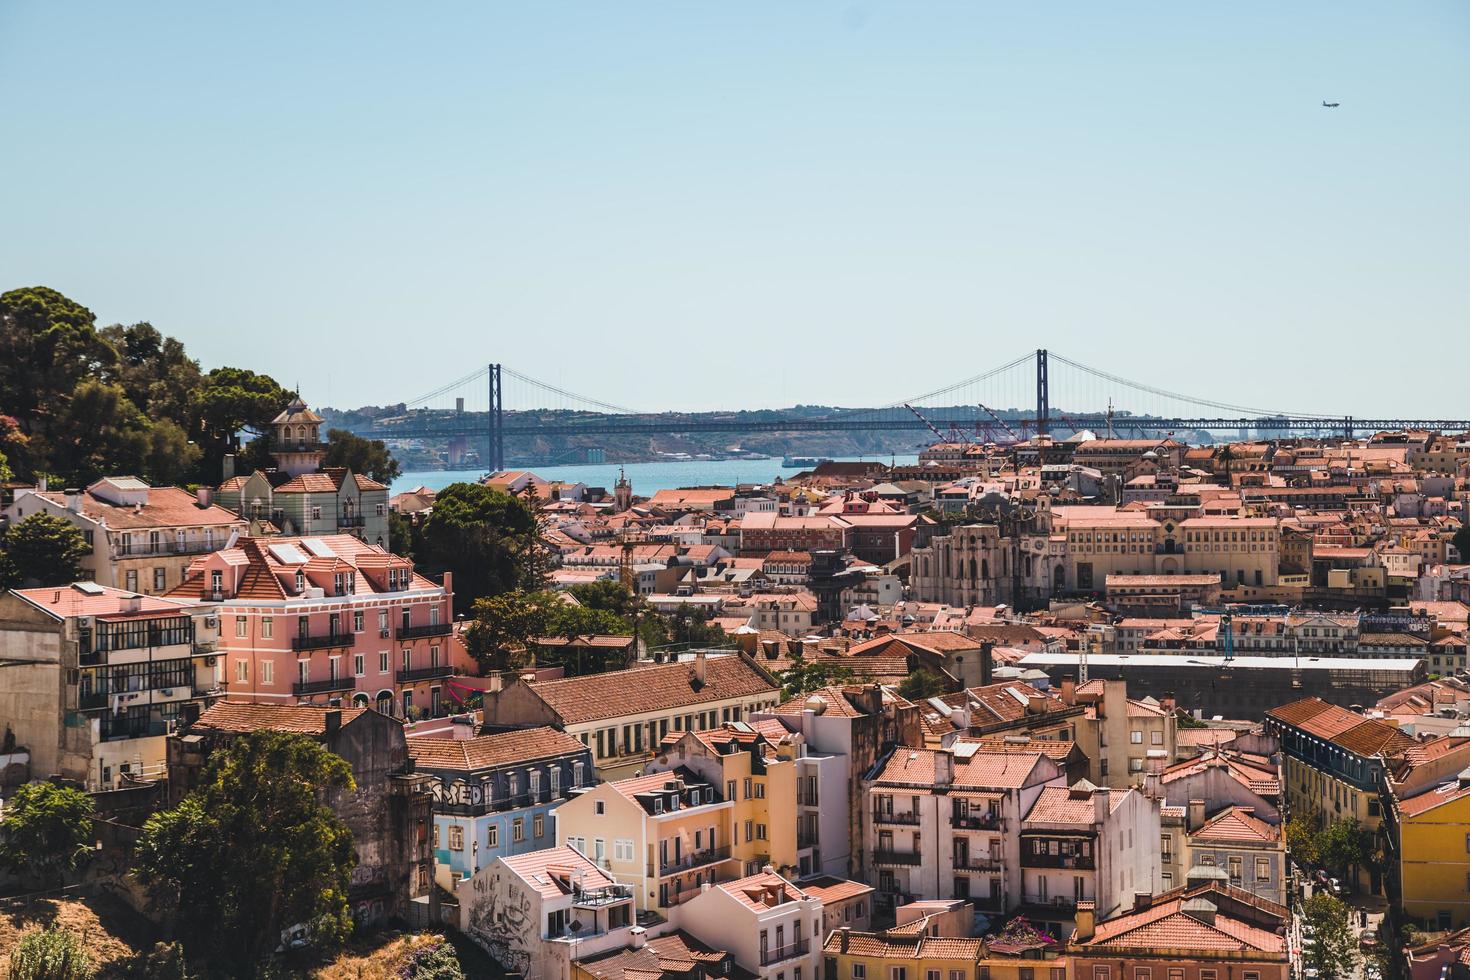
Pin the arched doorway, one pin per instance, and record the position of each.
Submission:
(385, 702)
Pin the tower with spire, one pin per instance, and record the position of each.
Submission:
(296, 439)
(622, 492)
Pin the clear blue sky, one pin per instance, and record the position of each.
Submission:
(713, 204)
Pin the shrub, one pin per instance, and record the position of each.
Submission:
(50, 954)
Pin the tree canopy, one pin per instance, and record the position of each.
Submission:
(1461, 541)
(805, 676)
(48, 831)
(487, 538)
(369, 457)
(921, 684)
(86, 402)
(254, 850)
(1332, 947)
(44, 550)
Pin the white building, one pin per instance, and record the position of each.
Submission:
(771, 926)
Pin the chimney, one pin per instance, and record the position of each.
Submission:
(1153, 785)
(845, 932)
(638, 936)
(987, 665)
(1086, 919)
(1069, 689)
(1196, 815)
(74, 500)
(204, 496)
(333, 722)
(1036, 703)
(1142, 901)
(1101, 805)
(943, 767)
(227, 468)
(699, 668)
(1168, 703)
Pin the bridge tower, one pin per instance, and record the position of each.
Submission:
(496, 414)
(1043, 394)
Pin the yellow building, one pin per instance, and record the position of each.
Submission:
(758, 778)
(663, 833)
(1429, 856)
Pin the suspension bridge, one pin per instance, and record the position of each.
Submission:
(1041, 392)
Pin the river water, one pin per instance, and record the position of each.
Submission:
(647, 478)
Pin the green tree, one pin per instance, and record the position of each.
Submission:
(48, 831)
(228, 401)
(503, 627)
(370, 457)
(50, 954)
(48, 345)
(805, 676)
(1332, 949)
(254, 850)
(14, 449)
(1344, 846)
(1461, 541)
(1301, 841)
(158, 376)
(402, 534)
(921, 684)
(609, 595)
(46, 550)
(487, 538)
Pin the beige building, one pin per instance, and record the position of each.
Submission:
(664, 834)
(624, 715)
(1123, 738)
(140, 538)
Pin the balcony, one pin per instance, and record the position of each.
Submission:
(351, 520)
(806, 797)
(978, 865)
(1052, 902)
(424, 673)
(976, 821)
(88, 700)
(1071, 862)
(910, 819)
(901, 858)
(592, 898)
(153, 549)
(419, 632)
(324, 642)
(788, 952)
(304, 688)
(689, 862)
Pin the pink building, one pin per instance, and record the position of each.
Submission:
(329, 620)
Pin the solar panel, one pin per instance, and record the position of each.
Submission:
(89, 588)
(287, 554)
(318, 548)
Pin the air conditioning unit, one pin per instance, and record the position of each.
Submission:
(210, 661)
(384, 633)
(211, 622)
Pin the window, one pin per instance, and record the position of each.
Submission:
(898, 973)
(1136, 737)
(760, 791)
(357, 665)
(316, 513)
(492, 835)
(747, 788)
(623, 849)
(1251, 975)
(1175, 973)
(436, 837)
(1028, 973)
(456, 837)
(538, 825)
(267, 672)
(382, 620)
(1263, 869)
(760, 831)
(518, 830)
(1143, 973)
(242, 671)
(859, 971)
(1207, 975)
(933, 975)
(241, 626)
(749, 831)
(408, 660)
(599, 808)
(1234, 863)
(1156, 738)
(383, 662)
(957, 975)
(159, 577)
(357, 621)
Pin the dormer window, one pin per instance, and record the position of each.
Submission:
(300, 581)
(216, 581)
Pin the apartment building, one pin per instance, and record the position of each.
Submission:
(771, 926)
(329, 620)
(1124, 738)
(938, 823)
(759, 777)
(1333, 764)
(1205, 932)
(1086, 844)
(139, 538)
(623, 715)
(566, 909)
(665, 834)
(96, 677)
(494, 795)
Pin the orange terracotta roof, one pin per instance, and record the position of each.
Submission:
(1237, 825)
(241, 718)
(65, 601)
(488, 751)
(656, 688)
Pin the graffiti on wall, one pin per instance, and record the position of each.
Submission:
(501, 920)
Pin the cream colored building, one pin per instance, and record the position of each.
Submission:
(665, 834)
(772, 927)
(758, 778)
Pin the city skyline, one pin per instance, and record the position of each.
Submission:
(607, 199)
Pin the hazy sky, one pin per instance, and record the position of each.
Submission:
(713, 205)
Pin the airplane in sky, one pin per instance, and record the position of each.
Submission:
(1330, 105)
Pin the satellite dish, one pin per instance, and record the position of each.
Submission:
(575, 925)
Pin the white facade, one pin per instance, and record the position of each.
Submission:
(769, 925)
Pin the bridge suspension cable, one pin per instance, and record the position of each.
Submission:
(446, 389)
(571, 395)
(1188, 399)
